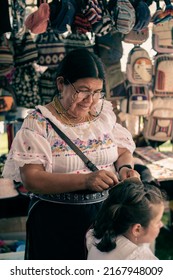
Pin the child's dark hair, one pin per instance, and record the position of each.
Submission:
(81, 63)
(129, 203)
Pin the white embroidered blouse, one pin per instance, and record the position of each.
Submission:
(36, 142)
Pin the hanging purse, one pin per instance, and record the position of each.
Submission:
(6, 54)
(51, 48)
(78, 40)
(62, 15)
(25, 82)
(137, 37)
(106, 24)
(47, 85)
(25, 50)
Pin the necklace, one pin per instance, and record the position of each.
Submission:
(65, 117)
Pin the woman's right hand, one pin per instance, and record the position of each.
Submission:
(100, 180)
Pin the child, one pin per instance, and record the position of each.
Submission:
(129, 220)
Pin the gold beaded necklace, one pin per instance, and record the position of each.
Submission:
(64, 116)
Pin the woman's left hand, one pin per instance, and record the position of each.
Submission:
(126, 172)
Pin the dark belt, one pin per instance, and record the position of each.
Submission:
(74, 198)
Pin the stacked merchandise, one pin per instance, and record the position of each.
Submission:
(136, 103)
(159, 125)
(41, 39)
(98, 25)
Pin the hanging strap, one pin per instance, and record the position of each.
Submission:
(87, 162)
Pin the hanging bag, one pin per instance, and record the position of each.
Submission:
(162, 70)
(47, 85)
(62, 15)
(123, 14)
(137, 37)
(25, 50)
(25, 82)
(78, 40)
(51, 48)
(159, 125)
(139, 66)
(162, 36)
(104, 25)
(162, 29)
(138, 101)
(6, 54)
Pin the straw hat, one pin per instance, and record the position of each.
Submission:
(7, 188)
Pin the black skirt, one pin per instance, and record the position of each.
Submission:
(57, 231)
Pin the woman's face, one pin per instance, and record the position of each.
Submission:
(150, 233)
(80, 96)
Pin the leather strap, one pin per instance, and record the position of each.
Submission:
(87, 162)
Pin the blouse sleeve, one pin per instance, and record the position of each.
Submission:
(123, 138)
(30, 146)
(120, 135)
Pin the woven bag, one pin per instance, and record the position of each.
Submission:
(6, 54)
(25, 50)
(51, 48)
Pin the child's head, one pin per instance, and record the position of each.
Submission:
(133, 209)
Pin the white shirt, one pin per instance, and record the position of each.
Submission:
(125, 250)
(37, 142)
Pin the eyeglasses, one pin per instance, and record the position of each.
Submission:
(82, 94)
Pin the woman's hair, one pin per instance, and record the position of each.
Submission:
(130, 202)
(81, 63)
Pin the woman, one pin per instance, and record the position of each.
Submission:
(128, 222)
(57, 224)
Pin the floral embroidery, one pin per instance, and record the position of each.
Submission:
(35, 115)
(90, 145)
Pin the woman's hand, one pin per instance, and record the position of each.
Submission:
(100, 180)
(126, 172)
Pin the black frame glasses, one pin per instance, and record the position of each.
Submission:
(85, 94)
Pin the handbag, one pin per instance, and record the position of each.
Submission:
(25, 50)
(51, 48)
(123, 14)
(137, 37)
(62, 15)
(6, 54)
(25, 82)
(47, 85)
(77, 40)
(104, 25)
(159, 125)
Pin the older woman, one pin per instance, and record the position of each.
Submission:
(66, 195)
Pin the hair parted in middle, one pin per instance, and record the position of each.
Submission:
(79, 64)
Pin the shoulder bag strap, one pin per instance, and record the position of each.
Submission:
(87, 162)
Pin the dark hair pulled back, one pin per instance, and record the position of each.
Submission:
(81, 63)
(129, 203)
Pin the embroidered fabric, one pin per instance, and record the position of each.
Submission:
(38, 143)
